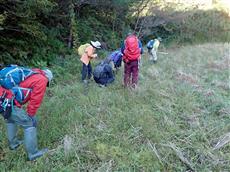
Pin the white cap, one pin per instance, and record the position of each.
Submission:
(48, 74)
(96, 44)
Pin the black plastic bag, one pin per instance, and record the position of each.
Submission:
(5, 108)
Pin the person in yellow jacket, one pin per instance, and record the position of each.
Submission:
(86, 57)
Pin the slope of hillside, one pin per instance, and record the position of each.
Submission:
(178, 119)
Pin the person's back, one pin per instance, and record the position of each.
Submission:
(37, 83)
(153, 44)
(153, 48)
(132, 50)
(116, 57)
(150, 45)
(156, 44)
(103, 73)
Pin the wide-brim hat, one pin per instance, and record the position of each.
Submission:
(96, 44)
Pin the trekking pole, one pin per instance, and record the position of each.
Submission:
(162, 52)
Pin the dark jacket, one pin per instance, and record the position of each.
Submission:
(103, 74)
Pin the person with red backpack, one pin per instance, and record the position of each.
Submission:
(28, 88)
(131, 50)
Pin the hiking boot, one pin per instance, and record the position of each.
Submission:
(85, 81)
(102, 86)
(14, 143)
(30, 136)
(91, 79)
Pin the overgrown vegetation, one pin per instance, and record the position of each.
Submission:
(172, 122)
(35, 33)
(185, 23)
(177, 120)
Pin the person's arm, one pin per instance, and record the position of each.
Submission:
(122, 47)
(90, 52)
(140, 46)
(36, 96)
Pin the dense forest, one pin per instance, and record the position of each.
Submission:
(36, 32)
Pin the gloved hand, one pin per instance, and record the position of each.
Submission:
(34, 120)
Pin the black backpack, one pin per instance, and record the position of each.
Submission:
(5, 106)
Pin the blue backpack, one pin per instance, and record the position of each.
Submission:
(12, 75)
(20, 93)
(116, 56)
(150, 44)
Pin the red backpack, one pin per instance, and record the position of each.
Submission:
(132, 50)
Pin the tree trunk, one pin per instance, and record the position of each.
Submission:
(70, 39)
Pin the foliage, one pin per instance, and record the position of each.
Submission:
(25, 36)
(36, 32)
(185, 24)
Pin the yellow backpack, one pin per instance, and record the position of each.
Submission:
(81, 49)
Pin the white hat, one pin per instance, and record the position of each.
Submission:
(96, 44)
(159, 39)
(48, 74)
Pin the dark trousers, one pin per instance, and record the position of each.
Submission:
(86, 71)
(131, 73)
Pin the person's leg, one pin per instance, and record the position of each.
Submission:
(140, 62)
(154, 53)
(16, 119)
(108, 80)
(97, 80)
(84, 72)
(151, 56)
(102, 82)
(135, 71)
(149, 50)
(89, 67)
(127, 74)
(118, 64)
(30, 136)
(13, 141)
(20, 117)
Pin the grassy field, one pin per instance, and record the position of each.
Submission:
(171, 122)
